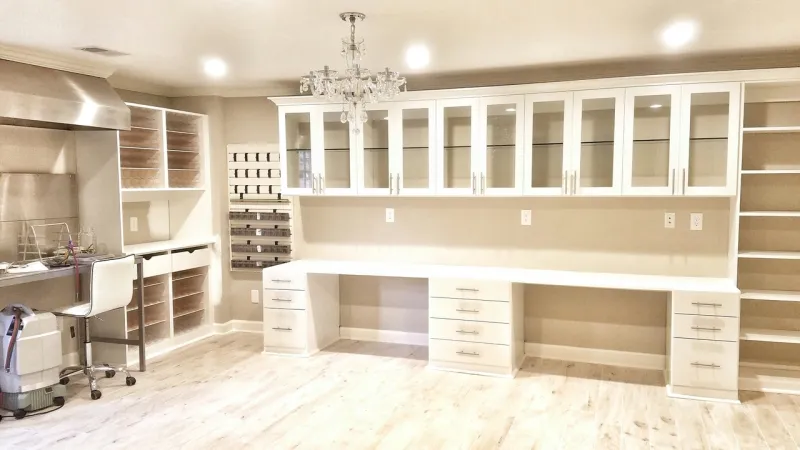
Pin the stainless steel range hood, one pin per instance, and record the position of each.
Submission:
(38, 97)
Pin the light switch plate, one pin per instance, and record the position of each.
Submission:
(525, 217)
(134, 224)
(389, 215)
(254, 296)
(669, 220)
(696, 221)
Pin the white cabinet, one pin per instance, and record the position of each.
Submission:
(457, 135)
(336, 155)
(548, 132)
(596, 157)
(298, 165)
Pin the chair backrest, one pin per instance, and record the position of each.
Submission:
(112, 284)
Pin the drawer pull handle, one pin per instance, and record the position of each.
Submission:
(281, 329)
(707, 304)
(468, 310)
(282, 281)
(708, 366)
(466, 332)
(281, 300)
(706, 329)
(460, 352)
(468, 289)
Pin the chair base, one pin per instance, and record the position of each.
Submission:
(92, 372)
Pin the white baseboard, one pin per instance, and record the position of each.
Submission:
(389, 336)
(596, 356)
(246, 326)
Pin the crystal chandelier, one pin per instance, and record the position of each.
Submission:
(357, 86)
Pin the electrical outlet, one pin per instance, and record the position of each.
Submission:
(696, 221)
(254, 296)
(134, 224)
(669, 220)
(525, 217)
(389, 215)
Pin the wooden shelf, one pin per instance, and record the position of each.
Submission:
(151, 285)
(772, 172)
(149, 149)
(770, 255)
(768, 379)
(763, 335)
(778, 296)
(149, 323)
(178, 297)
(771, 129)
(187, 277)
(162, 246)
(769, 213)
(181, 132)
(146, 305)
(144, 128)
(186, 313)
(183, 151)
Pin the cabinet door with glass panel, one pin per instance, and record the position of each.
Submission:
(596, 156)
(652, 144)
(296, 135)
(499, 167)
(709, 136)
(374, 151)
(548, 131)
(413, 144)
(337, 158)
(457, 147)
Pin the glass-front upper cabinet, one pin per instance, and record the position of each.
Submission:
(547, 142)
(596, 157)
(709, 138)
(413, 154)
(457, 133)
(298, 168)
(337, 156)
(500, 164)
(651, 148)
(374, 152)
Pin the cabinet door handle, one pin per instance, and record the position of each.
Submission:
(281, 329)
(466, 332)
(564, 183)
(461, 352)
(314, 184)
(704, 365)
(397, 184)
(321, 184)
(391, 176)
(685, 181)
(467, 310)
(281, 300)
(673, 181)
(483, 184)
(706, 329)
(281, 281)
(474, 186)
(713, 305)
(574, 182)
(467, 289)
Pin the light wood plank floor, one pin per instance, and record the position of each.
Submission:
(224, 393)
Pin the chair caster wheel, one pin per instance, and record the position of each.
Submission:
(20, 413)
(96, 394)
(130, 381)
(58, 401)
(64, 381)
(110, 373)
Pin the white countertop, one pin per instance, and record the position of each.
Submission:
(163, 246)
(514, 275)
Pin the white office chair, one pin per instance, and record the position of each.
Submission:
(111, 287)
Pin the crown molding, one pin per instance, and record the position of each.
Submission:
(53, 61)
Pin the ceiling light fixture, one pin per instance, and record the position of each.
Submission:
(417, 57)
(511, 109)
(215, 68)
(357, 86)
(679, 34)
(655, 105)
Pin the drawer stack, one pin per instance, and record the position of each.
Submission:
(704, 345)
(476, 326)
(293, 324)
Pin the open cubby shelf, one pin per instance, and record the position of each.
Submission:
(770, 295)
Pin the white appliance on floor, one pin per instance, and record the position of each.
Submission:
(29, 378)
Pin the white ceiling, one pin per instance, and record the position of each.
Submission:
(265, 41)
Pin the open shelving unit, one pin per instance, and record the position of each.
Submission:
(769, 239)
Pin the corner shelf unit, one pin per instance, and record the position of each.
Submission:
(259, 217)
(769, 239)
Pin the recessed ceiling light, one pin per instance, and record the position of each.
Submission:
(215, 68)
(679, 34)
(511, 109)
(417, 56)
(655, 105)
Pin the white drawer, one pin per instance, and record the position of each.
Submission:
(706, 303)
(485, 311)
(470, 289)
(467, 330)
(706, 327)
(705, 364)
(284, 279)
(156, 265)
(285, 328)
(284, 299)
(184, 259)
(471, 353)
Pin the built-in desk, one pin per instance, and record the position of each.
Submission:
(476, 316)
